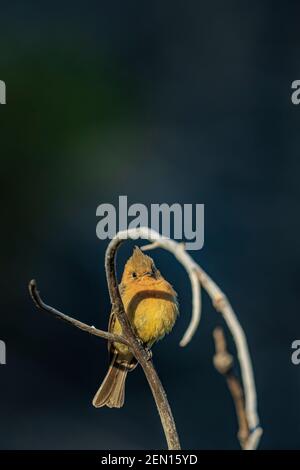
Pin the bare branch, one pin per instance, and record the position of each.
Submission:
(128, 337)
(222, 304)
(223, 362)
(198, 279)
(82, 326)
(141, 354)
(254, 439)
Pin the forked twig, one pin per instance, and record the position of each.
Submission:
(35, 295)
(222, 305)
(198, 278)
(223, 362)
(128, 337)
(140, 353)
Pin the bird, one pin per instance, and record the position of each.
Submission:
(150, 302)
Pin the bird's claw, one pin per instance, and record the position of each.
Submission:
(149, 353)
(146, 349)
(139, 341)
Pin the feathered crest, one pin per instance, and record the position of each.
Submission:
(140, 262)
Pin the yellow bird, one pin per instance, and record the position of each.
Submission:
(151, 305)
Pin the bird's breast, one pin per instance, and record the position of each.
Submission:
(153, 313)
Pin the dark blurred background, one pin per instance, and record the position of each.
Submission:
(185, 102)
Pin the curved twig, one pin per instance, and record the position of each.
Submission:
(221, 304)
(62, 316)
(128, 337)
(141, 354)
(223, 362)
(198, 278)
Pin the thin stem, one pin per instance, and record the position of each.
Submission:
(140, 353)
(222, 304)
(223, 362)
(128, 337)
(82, 326)
(199, 278)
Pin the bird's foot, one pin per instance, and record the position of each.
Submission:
(145, 348)
(149, 353)
(141, 344)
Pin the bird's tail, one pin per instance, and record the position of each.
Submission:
(112, 390)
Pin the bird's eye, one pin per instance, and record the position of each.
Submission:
(134, 275)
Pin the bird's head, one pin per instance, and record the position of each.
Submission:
(140, 268)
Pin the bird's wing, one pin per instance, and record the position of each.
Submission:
(111, 350)
(111, 324)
